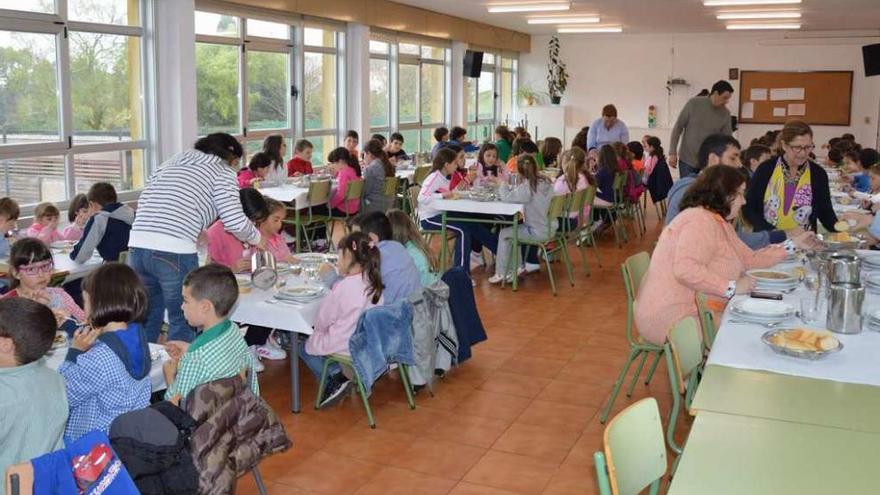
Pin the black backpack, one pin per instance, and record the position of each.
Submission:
(153, 444)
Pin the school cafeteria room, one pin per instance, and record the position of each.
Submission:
(461, 247)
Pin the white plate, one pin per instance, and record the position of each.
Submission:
(62, 244)
(301, 291)
(739, 315)
(781, 278)
(244, 280)
(765, 307)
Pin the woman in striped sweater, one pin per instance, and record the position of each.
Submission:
(182, 198)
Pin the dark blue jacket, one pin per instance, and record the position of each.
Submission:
(107, 232)
(467, 321)
(383, 335)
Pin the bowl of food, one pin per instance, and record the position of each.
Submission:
(841, 240)
(802, 342)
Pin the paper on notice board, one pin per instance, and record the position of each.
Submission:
(758, 94)
(795, 93)
(747, 111)
(797, 109)
(779, 111)
(777, 94)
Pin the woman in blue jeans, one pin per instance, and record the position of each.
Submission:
(185, 195)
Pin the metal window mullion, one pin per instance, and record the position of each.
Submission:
(341, 93)
(31, 26)
(264, 133)
(218, 40)
(66, 103)
(95, 27)
(321, 49)
(149, 76)
(243, 90)
(109, 146)
(291, 81)
(19, 15)
(13, 151)
(258, 46)
(298, 71)
(393, 87)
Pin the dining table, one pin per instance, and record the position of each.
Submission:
(64, 266)
(772, 423)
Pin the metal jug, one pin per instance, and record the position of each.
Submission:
(264, 272)
(844, 269)
(845, 308)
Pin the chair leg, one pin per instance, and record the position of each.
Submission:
(633, 354)
(582, 250)
(567, 261)
(261, 487)
(404, 377)
(549, 269)
(322, 383)
(363, 393)
(676, 406)
(638, 373)
(595, 248)
(653, 367)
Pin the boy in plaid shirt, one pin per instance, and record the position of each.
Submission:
(219, 350)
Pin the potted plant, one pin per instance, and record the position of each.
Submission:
(527, 94)
(557, 77)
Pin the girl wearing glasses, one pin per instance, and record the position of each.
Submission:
(31, 269)
(790, 191)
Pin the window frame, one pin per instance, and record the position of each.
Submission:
(61, 27)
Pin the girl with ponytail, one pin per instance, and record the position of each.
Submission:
(359, 289)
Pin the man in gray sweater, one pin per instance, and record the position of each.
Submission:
(700, 117)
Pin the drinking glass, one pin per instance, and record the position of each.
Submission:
(809, 309)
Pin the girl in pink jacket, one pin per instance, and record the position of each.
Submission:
(45, 226)
(359, 290)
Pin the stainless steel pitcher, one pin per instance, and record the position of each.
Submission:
(264, 272)
(845, 308)
(844, 269)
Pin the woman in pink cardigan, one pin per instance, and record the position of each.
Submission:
(699, 252)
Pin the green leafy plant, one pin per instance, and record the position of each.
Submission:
(527, 94)
(557, 76)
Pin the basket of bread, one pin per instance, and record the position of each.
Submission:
(802, 342)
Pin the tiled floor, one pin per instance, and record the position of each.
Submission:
(521, 417)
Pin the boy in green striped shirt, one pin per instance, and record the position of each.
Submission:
(219, 350)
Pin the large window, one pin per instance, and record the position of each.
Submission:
(480, 101)
(408, 89)
(507, 89)
(253, 80)
(72, 99)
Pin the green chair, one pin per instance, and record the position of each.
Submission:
(575, 207)
(616, 210)
(707, 320)
(345, 360)
(317, 198)
(354, 190)
(555, 241)
(389, 192)
(585, 223)
(684, 360)
(123, 257)
(420, 174)
(633, 269)
(634, 456)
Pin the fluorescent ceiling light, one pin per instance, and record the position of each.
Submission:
(729, 3)
(577, 30)
(763, 26)
(724, 16)
(528, 7)
(564, 20)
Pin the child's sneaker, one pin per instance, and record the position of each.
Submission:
(477, 260)
(258, 366)
(271, 350)
(496, 279)
(334, 390)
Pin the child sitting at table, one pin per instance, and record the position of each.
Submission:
(33, 404)
(31, 266)
(351, 143)
(45, 226)
(524, 146)
(218, 351)
(575, 177)
(346, 168)
(106, 371)
(753, 156)
(359, 289)
(535, 192)
(9, 212)
(489, 164)
(856, 170)
(461, 178)
(404, 231)
(224, 249)
(301, 163)
(107, 229)
(399, 272)
(78, 211)
(256, 171)
(437, 186)
(395, 150)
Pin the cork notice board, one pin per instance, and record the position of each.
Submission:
(773, 97)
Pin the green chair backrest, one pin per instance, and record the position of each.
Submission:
(578, 201)
(589, 199)
(354, 189)
(687, 350)
(707, 320)
(637, 265)
(319, 192)
(619, 182)
(557, 210)
(634, 448)
(420, 174)
(390, 188)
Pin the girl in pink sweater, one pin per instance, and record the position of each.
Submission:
(699, 252)
(346, 168)
(256, 171)
(359, 290)
(45, 226)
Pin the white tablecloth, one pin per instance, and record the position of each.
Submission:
(288, 194)
(253, 308)
(63, 263)
(54, 360)
(739, 345)
(471, 206)
(405, 173)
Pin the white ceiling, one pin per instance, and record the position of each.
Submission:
(664, 16)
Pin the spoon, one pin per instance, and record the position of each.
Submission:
(744, 322)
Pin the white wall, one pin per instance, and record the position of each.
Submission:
(631, 71)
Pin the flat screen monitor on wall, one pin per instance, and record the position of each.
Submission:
(473, 63)
(871, 54)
